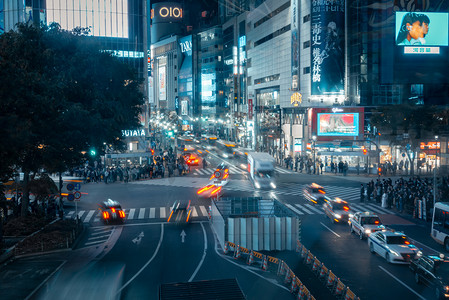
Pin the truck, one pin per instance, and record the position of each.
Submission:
(261, 170)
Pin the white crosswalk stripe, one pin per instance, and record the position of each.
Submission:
(152, 212)
(80, 214)
(303, 208)
(194, 212)
(141, 213)
(162, 212)
(132, 211)
(314, 209)
(89, 216)
(294, 209)
(203, 210)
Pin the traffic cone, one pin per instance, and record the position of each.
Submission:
(288, 276)
(301, 292)
(293, 285)
(298, 246)
(251, 258)
(315, 265)
(322, 271)
(303, 252)
(281, 268)
(237, 252)
(265, 263)
(225, 250)
(309, 258)
(339, 288)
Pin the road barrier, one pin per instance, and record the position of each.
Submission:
(225, 250)
(296, 286)
(332, 282)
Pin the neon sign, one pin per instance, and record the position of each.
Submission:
(173, 12)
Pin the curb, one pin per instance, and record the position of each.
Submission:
(42, 253)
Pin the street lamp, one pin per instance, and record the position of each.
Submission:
(314, 155)
(435, 173)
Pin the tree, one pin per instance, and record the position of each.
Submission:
(60, 95)
(416, 122)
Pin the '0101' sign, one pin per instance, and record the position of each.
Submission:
(168, 12)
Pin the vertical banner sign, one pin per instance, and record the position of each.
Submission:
(327, 51)
(250, 109)
(295, 44)
(162, 84)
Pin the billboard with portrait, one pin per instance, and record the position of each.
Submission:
(327, 47)
(338, 124)
(421, 29)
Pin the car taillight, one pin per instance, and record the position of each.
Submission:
(121, 214)
(321, 192)
(376, 222)
(345, 208)
(105, 215)
(113, 210)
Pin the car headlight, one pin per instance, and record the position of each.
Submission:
(272, 185)
(446, 288)
(351, 215)
(257, 185)
(337, 216)
(225, 155)
(367, 231)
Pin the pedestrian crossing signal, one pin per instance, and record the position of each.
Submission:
(365, 151)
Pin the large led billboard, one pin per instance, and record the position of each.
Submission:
(338, 124)
(421, 32)
(327, 47)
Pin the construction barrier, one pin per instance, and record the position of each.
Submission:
(273, 259)
(304, 252)
(339, 288)
(288, 275)
(226, 250)
(349, 295)
(281, 268)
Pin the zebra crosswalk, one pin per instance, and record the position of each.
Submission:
(233, 170)
(93, 215)
(309, 209)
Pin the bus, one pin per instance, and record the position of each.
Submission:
(440, 224)
(225, 149)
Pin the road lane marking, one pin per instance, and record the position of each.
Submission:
(314, 209)
(99, 237)
(95, 242)
(194, 212)
(89, 216)
(80, 214)
(141, 213)
(204, 253)
(101, 232)
(69, 215)
(330, 229)
(203, 210)
(294, 209)
(132, 211)
(147, 263)
(406, 286)
(162, 212)
(382, 210)
(303, 208)
(152, 212)
(45, 280)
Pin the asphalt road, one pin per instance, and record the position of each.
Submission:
(131, 261)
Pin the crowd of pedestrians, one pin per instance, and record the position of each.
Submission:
(158, 166)
(405, 195)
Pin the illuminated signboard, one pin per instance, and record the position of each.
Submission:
(135, 132)
(421, 32)
(162, 84)
(166, 12)
(338, 124)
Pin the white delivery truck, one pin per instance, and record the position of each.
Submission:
(261, 170)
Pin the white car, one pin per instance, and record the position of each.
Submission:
(365, 223)
(393, 246)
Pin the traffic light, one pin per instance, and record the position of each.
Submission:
(92, 152)
(365, 151)
(379, 171)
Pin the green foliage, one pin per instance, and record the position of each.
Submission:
(60, 95)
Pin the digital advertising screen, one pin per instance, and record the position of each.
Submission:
(338, 124)
(421, 32)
